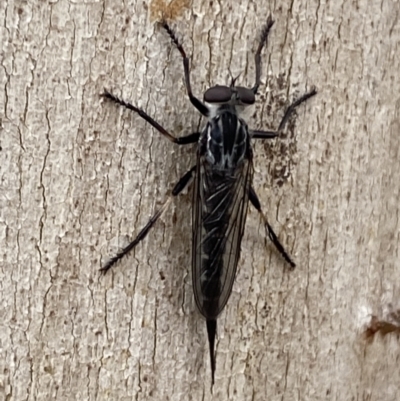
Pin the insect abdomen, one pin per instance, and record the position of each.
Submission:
(217, 209)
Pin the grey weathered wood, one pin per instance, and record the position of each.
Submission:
(80, 176)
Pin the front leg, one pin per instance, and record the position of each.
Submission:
(201, 107)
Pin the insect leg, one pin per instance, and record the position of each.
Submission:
(272, 134)
(271, 234)
(256, 134)
(178, 188)
(293, 106)
(191, 138)
(202, 108)
(263, 42)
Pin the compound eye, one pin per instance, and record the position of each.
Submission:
(218, 94)
(245, 95)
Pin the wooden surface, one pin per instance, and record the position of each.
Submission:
(80, 176)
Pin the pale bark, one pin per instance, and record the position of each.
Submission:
(80, 176)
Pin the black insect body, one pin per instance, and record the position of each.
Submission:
(222, 187)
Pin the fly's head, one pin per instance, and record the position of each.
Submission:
(234, 97)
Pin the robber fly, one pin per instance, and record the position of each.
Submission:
(222, 186)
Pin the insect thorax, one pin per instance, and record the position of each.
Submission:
(225, 140)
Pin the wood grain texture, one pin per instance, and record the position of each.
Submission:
(80, 176)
